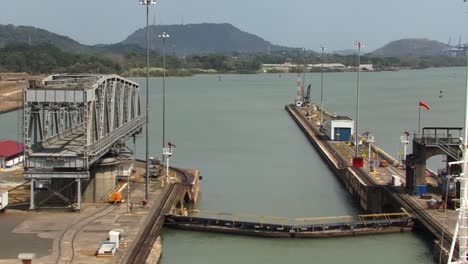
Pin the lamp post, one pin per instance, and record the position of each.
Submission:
(358, 45)
(303, 72)
(164, 36)
(321, 86)
(147, 3)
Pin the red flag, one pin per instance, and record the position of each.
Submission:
(423, 104)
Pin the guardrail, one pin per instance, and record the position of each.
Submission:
(103, 144)
(300, 221)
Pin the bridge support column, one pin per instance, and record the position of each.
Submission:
(102, 180)
(419, 154)
(32, 205)
(78, 193)
(409, 173)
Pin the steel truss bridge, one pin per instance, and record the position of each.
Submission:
(70, 122)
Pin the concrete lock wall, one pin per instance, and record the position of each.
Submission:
(101, 182)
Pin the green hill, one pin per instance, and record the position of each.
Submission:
(14, 34)
(411, 47)
(202, 39)
(190, 39)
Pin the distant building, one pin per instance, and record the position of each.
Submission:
(341, 67)
(366, 67)
(329, 66)
(284, 67)
(11, 153)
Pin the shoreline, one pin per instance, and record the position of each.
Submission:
(10, 110)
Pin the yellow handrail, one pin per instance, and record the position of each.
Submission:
(284, 220)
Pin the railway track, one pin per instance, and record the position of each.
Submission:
(141, 249)
(66, 249)
(424, 218)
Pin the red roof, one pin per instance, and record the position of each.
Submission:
(10, 148)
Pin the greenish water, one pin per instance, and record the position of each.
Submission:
(254, 159)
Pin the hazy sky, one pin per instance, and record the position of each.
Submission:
(336, 24)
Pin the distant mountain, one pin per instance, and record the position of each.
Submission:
(32, 35)
(201, 39)
(411, 47)
(190, 39)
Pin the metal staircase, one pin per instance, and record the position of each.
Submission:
(448, 148)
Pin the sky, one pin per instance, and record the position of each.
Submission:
(335, 24)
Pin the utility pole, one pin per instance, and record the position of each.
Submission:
(164, 36)
(358, 45)
(321, 86)
(147, 3)
(303, 72)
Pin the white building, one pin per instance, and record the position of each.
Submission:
(329, 66)
(11, 153)
(339, 128)
(366, 67)
(285, 67)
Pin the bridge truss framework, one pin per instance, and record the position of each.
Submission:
(70, 122)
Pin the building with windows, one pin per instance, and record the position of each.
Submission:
(11, 153)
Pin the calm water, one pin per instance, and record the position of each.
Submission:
(254, 159)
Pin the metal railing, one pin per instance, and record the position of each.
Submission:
(300, 221)
(431, 135)
(100, 146)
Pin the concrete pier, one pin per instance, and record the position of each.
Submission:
(372, 188)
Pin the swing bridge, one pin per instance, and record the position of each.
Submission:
(70, 123)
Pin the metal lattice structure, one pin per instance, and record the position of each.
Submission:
(70, 122)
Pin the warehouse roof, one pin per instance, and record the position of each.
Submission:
(9, 148)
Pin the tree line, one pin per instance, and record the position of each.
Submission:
(46, 58)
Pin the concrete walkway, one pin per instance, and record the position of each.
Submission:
(77, 235)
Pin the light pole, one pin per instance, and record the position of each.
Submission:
(303, 72)
(358, 45)
(321, 86)
(164, 36)
(147, 3)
